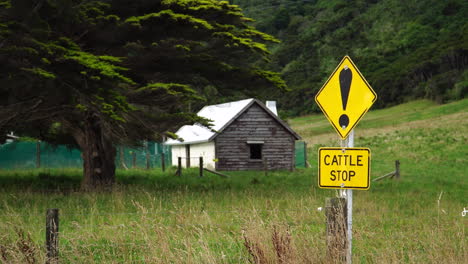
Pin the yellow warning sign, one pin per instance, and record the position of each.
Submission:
(344, 168)
(345, 97)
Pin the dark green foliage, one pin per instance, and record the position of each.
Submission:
(108, 56)
(121, 71)
(405, 49)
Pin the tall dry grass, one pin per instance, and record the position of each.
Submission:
(153, 217)
(183, 230)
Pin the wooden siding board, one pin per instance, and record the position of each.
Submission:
(233, 152)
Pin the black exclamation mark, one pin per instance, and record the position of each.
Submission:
(345, 84)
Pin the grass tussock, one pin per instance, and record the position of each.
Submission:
(281, 250)
(20, 248)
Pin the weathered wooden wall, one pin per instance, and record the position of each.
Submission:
(255, 124)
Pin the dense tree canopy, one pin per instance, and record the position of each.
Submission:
(405, 49)
(100, 73)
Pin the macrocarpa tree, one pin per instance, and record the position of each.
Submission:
(96, 74)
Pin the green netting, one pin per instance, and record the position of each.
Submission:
(137, 157)
(29, 155)
(300, 152)
(18, 155)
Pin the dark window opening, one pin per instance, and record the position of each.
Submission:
(255, 151)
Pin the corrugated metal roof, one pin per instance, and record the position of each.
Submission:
(220, 114)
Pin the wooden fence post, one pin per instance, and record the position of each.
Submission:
(179, 166)
(397, 169)
(187, 156)
(133, 159)
(122, 158)
(147, 161)
(217, 173)
(201, 166)
(52, 231)
(336, 214)
(38, 154)
(305, 155)
(163, 165)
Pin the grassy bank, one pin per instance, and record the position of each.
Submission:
(155, 217)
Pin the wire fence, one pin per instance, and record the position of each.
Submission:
(91, 232)
(71, 216)
(165, 212)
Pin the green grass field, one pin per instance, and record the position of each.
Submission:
(155, 217)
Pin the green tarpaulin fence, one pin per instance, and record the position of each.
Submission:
(301, 154)
(29, 155)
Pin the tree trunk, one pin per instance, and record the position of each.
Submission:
(98, 155)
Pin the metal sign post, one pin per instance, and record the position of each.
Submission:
(349, 206)
(348, 195)
(344, 99)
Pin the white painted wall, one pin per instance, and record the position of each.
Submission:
(178, 151)
(205, 150)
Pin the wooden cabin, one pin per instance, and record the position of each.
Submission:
(246, 135)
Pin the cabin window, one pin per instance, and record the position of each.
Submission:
(255, 151)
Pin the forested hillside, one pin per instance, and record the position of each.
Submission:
(405, 49)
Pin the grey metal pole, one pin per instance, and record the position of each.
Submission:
(349, 196)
